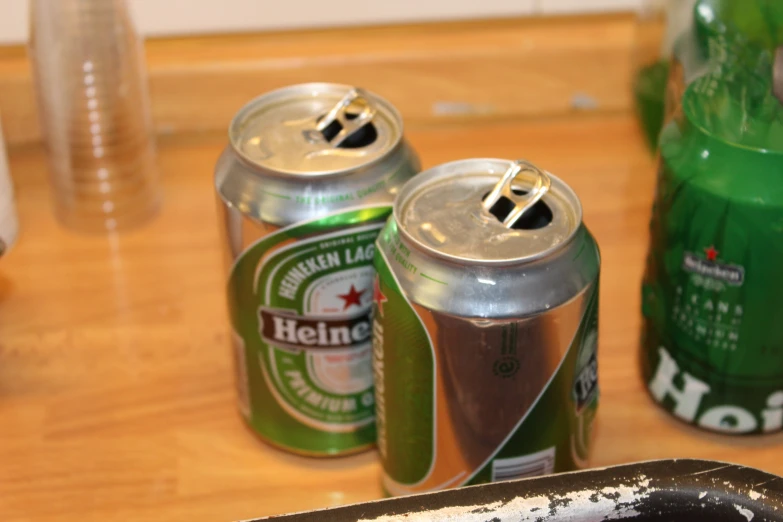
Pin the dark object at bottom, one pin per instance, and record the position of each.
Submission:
(665, 491)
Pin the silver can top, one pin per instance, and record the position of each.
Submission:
(315, 129)
(488, 211)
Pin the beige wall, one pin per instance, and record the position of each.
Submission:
(176, 17)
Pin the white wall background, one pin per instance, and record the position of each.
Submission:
(178, 17)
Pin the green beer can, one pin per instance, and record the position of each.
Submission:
(485, 328)
(713, 291)
(304, 187)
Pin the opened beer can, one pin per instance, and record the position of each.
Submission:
(305, 186)
(485, 328)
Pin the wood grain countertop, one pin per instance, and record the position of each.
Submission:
(116, 392)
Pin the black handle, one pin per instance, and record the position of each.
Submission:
(660, 491)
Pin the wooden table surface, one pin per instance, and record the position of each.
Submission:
(116, 393)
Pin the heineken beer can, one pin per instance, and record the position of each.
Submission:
(305, 186)
(485, 328)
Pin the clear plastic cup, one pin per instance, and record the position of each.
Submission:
(93, 102)
(9, 225)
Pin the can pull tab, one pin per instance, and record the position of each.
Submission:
(522, 204)
(347, 123)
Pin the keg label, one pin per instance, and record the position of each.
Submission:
(300, 301)
(458, 404)
(694, 401)
(710, 267)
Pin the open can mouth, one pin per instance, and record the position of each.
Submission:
(665, 491)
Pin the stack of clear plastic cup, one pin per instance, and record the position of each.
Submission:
(9, 226)
(94, 106)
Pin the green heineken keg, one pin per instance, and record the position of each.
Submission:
(712, 345)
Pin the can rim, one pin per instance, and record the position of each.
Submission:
(314, 88)
(443, 170)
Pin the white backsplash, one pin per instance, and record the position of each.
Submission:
(178, 17)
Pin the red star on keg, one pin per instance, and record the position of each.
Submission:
(711, 253)
(378, 296)
(353, 297)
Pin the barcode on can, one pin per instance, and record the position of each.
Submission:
(532, 465)
(240, 365)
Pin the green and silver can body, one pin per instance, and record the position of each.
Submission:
(485, 328)
(304, 187)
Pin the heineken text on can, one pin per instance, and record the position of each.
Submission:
(304, 188)
(485, 328)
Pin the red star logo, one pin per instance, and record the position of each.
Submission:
(711, 253)
(378, 296)
(353, 297)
